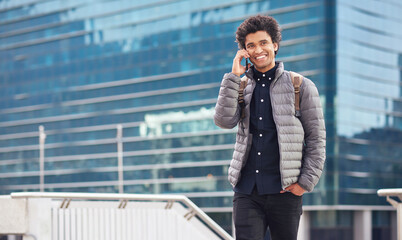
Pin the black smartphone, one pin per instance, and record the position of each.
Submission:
(246, 64)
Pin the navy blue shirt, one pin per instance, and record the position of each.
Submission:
(262, 167)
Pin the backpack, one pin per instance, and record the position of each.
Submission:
(297, 80)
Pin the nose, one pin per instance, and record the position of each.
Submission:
(258, 49)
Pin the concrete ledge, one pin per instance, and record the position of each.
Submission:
(13, 218)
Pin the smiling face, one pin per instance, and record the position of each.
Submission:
(261, 50)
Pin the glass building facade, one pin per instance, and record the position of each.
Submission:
(368, 100)
(81, 68)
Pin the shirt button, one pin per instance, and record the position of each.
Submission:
(263, 75)
(269, 78)
(257, 171)
(258, 79)
(260, 135)
(263, 85)
(259, 153)
(260, 118)
(262, 100)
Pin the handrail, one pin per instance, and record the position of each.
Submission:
(397, 192)
(394, 192)
(194, 209)
(98, 196)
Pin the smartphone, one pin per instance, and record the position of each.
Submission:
(246, 64)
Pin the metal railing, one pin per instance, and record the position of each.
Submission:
(64, 214)
(398, 205)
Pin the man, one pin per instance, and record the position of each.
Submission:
(278, 156)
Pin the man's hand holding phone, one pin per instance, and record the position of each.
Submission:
(237, 68)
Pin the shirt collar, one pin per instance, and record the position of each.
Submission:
(279, 70)
(268, 75)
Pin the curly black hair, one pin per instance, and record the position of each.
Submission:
(255, 24)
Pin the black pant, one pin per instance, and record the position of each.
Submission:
(253, 213)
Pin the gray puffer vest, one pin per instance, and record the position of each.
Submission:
(301, 140)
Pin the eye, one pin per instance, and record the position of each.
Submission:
(251, 46)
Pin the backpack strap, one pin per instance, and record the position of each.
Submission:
(243, 85)
(297, 80)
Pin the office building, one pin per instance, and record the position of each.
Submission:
(83, 68)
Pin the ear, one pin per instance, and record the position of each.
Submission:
(276, 47)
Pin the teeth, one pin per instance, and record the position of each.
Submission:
(260, 57)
